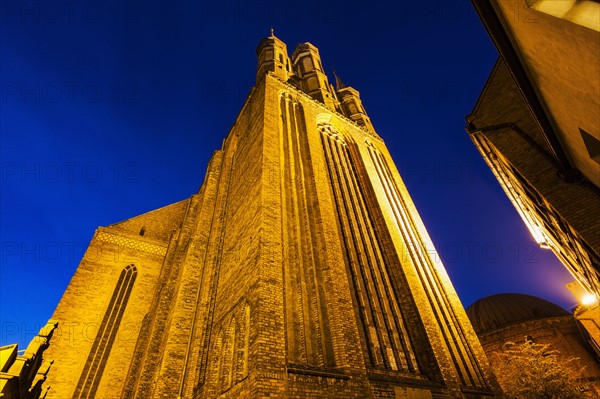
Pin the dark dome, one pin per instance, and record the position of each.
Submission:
(500, 310)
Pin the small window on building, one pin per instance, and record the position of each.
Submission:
(592, 144)
(307, 64)
(352, 108)
(281, 58)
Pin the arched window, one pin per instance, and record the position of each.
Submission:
(227, 365)
(106, 335)
(231, 349)
(307, 64)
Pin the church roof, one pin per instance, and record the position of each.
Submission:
(500, 310)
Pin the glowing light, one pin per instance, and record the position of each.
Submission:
(589, 299)
(538, 234)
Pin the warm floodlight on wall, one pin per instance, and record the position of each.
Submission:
(589, 299)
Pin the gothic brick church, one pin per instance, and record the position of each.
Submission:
(300, 269)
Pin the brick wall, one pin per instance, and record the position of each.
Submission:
(245, 289)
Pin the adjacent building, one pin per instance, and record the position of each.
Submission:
(537, 123)
(503, 319)
(23, 372)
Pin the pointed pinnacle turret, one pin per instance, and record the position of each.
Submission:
(351, 104)
(338, 82)
(273, 57)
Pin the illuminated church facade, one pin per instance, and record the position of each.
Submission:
(300, 269)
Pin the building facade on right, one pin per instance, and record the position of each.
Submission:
(537, 123)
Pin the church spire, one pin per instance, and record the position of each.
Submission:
(338, 82)
(273, 57)
(351, 104)
(314, 81)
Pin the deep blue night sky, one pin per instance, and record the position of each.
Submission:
(112, 109)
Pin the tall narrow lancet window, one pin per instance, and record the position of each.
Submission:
(105, 338)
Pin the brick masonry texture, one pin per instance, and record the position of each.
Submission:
(261, 285)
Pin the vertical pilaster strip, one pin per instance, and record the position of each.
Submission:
(386, 340)
(309, 340)
(454, 337)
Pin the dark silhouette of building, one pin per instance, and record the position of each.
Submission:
(22, 375)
